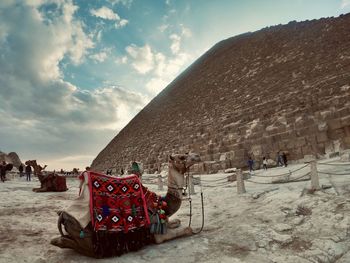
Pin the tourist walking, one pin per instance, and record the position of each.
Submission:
(20, 169)
(264, 163)
(28, 172)
(250, 164)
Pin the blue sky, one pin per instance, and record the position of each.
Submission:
(75, 72)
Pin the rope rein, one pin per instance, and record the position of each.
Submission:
(202, 205)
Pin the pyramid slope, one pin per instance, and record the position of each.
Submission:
(285, 87)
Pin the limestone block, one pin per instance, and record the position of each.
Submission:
(256, 150)
(306, 150)
(345, 121)
(345, 156)
(230, 170)
(335, 124)
(271, 163)
(322, 137)
(322, 126)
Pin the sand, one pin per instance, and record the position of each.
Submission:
(259, 226)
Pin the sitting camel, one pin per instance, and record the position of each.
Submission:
(48, 182)
(78, 222)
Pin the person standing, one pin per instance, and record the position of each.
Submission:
(20, 169)
(3, 171)
(264, 163)
(250, 164)
(284, 159)
(28, 172)
(135, 169)
(279, 159)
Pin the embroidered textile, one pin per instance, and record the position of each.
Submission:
(117, 204)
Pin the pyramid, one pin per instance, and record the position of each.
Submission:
(282, 88)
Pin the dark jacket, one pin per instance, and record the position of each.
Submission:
(3, 170)
(28, 169)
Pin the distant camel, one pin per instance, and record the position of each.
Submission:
(50, 182)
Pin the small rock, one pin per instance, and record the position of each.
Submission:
(281, 239)
(298, 220)
(282, 227)
(339, 217)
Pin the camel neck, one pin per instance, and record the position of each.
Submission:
(174, 193)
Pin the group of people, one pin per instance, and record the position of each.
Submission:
(28, 171)
(4, 167)
(281, 161)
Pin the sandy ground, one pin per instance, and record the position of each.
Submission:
(257, 226)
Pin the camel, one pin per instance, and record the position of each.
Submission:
(48, 182)
(81, 237)
(3, 169)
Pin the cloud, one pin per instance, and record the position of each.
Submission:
(101, 56)
(121, 23)
(143, 58)
(186, 32)
(176, 42)
(42, 115)
(345, 3)
(163, 27)
(108, 14)
(166, 70)
(122, 60)
(126, 3)
(105, 13)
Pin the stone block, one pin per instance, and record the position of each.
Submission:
(345, 156)
(306, 150)
(322, 137)
(345, 121)
(335, 124)
(300, 142)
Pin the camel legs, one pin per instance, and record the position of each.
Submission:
(172, 234)
(73, 240)
(174, 223)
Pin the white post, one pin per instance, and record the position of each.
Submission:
(191, 184)
(314, 176)
(240, 182)
(160, 182)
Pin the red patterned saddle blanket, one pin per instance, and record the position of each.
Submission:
(117, 204)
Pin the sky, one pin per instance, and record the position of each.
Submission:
(73, 73)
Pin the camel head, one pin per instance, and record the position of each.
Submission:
(179, 165)
(31, 163)
(182, 162)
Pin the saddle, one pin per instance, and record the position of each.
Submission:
(117, 204)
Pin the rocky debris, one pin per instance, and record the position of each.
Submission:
(282, 88)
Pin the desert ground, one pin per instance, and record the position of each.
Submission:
(269, 223)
